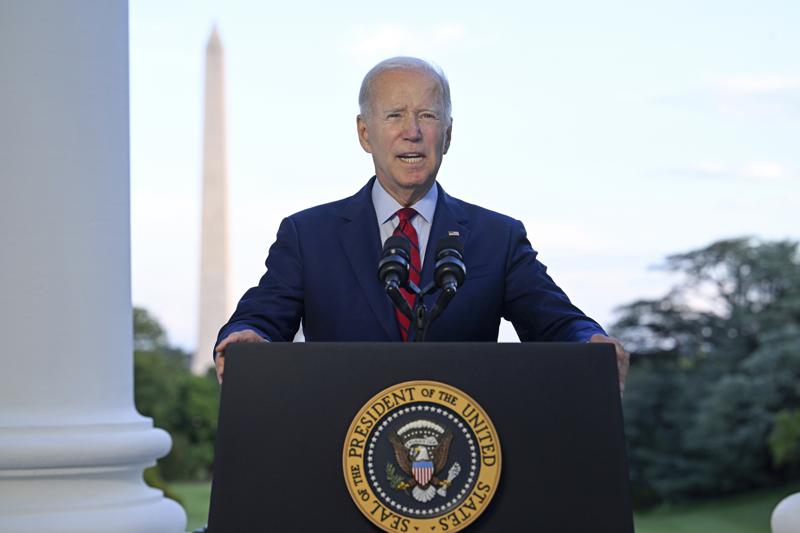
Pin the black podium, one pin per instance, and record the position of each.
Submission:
(286, 408)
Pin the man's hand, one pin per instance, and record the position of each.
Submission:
(623, 357)
(247, 335)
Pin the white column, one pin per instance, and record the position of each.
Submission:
(786, 516)
(72, 446)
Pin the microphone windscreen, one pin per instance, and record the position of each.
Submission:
(449, 243)
(397, 241)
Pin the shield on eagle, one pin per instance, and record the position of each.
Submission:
(423, 471)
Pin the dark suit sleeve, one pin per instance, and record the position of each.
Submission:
(538, 308)
(274, 308)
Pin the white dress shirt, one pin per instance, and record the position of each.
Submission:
(386, 208)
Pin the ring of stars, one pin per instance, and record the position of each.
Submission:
(415, 410)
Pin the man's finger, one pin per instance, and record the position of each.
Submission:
(623, 358)
(220, 367)
(623, 364)
(220, 348)
(230, 339)
(247, 335)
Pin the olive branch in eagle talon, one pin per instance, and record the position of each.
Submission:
(396, 481)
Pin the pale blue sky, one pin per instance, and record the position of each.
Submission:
(618, 132)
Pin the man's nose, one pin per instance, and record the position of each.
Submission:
(411, 129)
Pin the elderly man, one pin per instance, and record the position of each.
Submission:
(322, 267)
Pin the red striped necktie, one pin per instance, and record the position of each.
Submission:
(407, 230)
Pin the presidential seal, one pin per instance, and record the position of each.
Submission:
(421, 456)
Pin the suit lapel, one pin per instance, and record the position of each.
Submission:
(449, 217)
(361, 242)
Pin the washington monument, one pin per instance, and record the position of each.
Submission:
(214, 261)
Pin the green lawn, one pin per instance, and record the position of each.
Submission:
(748, 513)
(195, 498)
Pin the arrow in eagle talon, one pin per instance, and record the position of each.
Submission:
(451, 475)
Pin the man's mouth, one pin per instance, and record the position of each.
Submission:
(411, 157)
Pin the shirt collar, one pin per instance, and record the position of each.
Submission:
(386, 206)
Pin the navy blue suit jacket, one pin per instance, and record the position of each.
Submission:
(322, 269)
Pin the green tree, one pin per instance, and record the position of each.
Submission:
(715, 362)
(184, 405)
(784, 440)
(148, 335)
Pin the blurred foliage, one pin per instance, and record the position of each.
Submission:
(184, 405)
(784, 440)
(148, 335)
(710, 405)
(152, 476)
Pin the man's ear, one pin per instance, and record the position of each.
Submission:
(363, 137)
(447, 136)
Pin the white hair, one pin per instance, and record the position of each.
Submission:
(403, 63)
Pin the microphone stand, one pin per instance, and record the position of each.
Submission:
(420, 321)
(448, 257)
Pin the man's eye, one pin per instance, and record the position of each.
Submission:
(393, 115)
(430, 116)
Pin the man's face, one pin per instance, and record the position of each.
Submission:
(406, 131)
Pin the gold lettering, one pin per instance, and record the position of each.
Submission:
(355, 473)
(355, 444)
(470, 504)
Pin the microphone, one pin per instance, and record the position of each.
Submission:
(449, 273)
(393, 271)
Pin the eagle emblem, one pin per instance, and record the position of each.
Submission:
(421, 456)
(421, 449)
